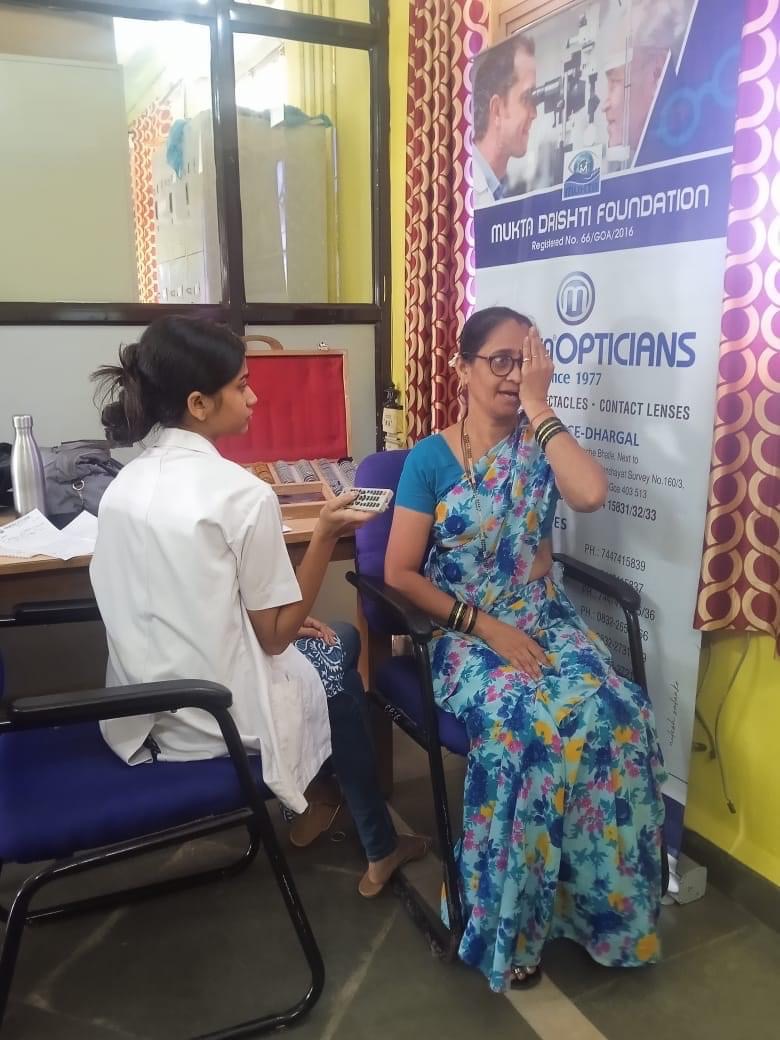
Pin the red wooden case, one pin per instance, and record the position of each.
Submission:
(302, 412)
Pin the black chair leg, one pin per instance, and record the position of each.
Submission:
(664, 869)
(14, 926)
(261, 831)
(441, 809)
(308, 943)
(441, 805)
(124, 897)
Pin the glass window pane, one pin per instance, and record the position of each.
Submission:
(352, 10)
(305, 166)
(112, 197)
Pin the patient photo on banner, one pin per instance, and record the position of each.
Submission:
(577, 95)
(602, 165)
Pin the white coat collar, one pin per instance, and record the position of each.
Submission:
(175, 437)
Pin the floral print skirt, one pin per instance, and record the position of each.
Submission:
(562, 810)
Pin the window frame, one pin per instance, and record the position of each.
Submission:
(223, 18)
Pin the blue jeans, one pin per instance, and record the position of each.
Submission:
(353, 754)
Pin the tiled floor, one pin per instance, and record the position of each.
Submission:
(217, 955)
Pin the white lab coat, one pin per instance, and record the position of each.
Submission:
(187, 543)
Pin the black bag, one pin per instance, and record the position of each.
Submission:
(6, 494)
(77, 473)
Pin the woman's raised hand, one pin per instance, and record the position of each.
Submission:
(514, 646)
(338, 519)
(536, 374)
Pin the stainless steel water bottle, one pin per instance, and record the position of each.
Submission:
(27, 469)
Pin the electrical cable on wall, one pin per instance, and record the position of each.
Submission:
(713, 745)
(699, 745)
(721, 765)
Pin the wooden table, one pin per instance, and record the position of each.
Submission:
(44, 578)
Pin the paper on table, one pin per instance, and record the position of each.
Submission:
(34, 535)
(286, 529)
(77, 539)
(27, 536)
(85, 525)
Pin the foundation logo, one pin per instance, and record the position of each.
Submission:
(576, 298)
(584, 175)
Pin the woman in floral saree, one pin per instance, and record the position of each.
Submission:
(562, 804)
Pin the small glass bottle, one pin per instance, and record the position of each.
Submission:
(27, 478)
(392, 420)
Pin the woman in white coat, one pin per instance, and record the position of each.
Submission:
(193, 580)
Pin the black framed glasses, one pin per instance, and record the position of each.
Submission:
(501, 364)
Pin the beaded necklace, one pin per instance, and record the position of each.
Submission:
(468, 458)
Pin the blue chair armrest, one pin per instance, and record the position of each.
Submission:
(57, 709)
(51, 612)
(623, 593)
(408, 618)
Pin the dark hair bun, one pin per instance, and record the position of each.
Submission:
(152, 383)
(115, 423)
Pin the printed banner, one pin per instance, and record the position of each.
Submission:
(602, 163)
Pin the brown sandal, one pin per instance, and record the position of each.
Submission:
(410, 847)
(317, 819)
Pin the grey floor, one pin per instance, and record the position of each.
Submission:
(214, 956)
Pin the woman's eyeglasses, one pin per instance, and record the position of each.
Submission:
(501, 364)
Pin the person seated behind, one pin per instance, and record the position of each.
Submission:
(562, 810)
(193, 580)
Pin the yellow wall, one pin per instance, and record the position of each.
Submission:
(399, 49)
(749, 743)
(352, 120)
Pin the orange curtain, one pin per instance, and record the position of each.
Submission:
(147, 133)
(443, 38)
(740, 580)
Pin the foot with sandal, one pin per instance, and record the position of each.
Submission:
(525, 977)
(325, 803)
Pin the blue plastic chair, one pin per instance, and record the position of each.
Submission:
(63, 791)
(402, 686)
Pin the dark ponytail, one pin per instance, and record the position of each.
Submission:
(174, 358)
(480, 325)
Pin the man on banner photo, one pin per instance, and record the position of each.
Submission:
(504, 111)
(587, 80)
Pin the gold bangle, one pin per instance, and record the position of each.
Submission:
(459, 616)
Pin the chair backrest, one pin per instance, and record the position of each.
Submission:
(382, 470)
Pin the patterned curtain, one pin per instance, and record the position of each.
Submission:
(147, 133)
(740, 580)
(444, 35)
